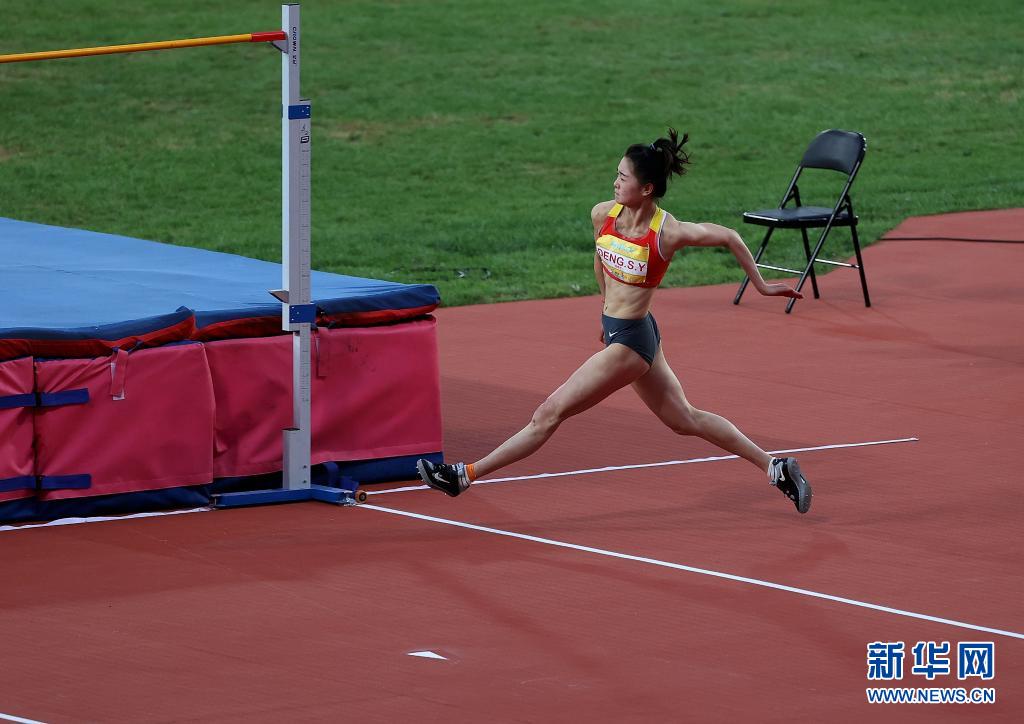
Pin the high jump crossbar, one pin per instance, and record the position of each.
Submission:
(298, 313)
(141, 47)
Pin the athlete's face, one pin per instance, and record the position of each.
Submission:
(628, 189)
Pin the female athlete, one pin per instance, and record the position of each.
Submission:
(636, 241)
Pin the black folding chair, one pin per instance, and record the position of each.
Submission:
(834, 150)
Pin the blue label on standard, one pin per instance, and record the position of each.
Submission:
(302, 313)
(300, 111)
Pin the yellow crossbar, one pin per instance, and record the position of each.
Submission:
(139, 47)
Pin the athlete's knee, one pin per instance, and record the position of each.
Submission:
(688, 421)
(547, 417)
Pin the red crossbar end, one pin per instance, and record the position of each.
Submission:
(269, 37)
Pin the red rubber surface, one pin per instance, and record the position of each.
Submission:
(307, 612)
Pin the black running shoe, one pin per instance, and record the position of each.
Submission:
(449, 479)
(792, 483)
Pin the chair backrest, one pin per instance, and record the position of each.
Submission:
(836, 150)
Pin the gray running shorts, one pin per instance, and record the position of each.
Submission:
(640, 335)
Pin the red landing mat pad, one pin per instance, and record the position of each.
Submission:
(375, 395)
(16, 408)
(147, 424)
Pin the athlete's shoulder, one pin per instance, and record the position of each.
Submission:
(678, 234)
(601, 210)
(599, 213)
(672, 229)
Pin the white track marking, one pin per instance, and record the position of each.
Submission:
(8, 717)
(101, 519)
(612, 468)
(693, 569)
(427, 655)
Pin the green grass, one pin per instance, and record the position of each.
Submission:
(463, 143)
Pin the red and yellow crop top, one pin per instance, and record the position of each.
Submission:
(637, 262)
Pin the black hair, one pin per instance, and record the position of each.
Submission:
(656, 163)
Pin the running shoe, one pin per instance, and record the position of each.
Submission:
(786, 476)
(449, 479)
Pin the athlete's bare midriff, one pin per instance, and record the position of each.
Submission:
(626, 301)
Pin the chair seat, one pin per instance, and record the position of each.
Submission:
(796, 217)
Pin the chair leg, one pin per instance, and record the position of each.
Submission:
(807, 251)
(860, 265)
(757, 258)
(799, 285)
(810, 266)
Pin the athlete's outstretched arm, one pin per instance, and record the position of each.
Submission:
(678, 234)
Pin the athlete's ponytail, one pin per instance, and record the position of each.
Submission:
(657, 162)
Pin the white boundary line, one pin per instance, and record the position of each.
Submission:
(702, 571)
(8, 717)
(101, 519)
(649, 465)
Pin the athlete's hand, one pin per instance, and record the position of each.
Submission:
(781, 290)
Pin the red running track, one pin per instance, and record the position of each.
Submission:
(308, 612)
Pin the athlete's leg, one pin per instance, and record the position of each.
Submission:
(660, 390)
(610, 369)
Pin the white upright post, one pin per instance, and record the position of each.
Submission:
(298, 313)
